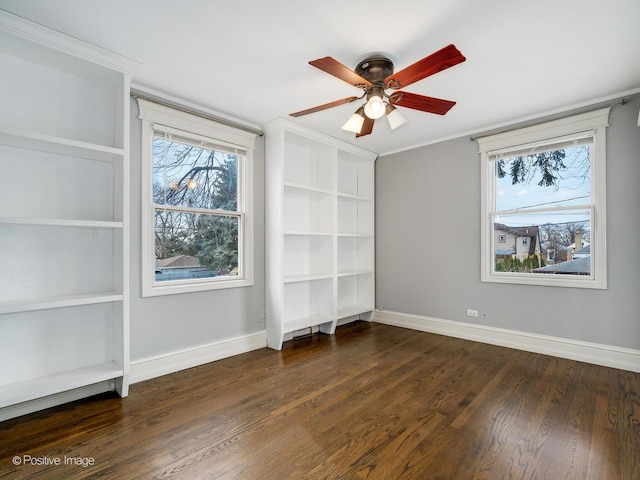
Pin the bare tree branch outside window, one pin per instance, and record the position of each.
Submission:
(195, 193)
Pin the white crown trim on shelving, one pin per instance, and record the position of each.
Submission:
(53, 40)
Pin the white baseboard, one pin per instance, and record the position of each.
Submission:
(596, 353)
(172, 362)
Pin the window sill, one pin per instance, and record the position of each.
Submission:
(156, 290)
(544, 280)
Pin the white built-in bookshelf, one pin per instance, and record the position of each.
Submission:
(319, 231)
(64, 158)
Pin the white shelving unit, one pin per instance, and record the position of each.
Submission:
(64, 158)
(319, 231)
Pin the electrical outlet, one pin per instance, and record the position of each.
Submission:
(263, 319)
(472, 313)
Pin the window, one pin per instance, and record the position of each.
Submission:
(546, 184)
(197, 203)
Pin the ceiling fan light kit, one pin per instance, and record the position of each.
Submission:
(394, 117)
(375, 107)
(354, 124)
(374, 75)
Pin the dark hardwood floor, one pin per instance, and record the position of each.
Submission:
(371, 402)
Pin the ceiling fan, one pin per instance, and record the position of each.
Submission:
(374, 75)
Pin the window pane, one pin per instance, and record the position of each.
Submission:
(190, 176)
(191, 246)
(543, 243)
(544, 180)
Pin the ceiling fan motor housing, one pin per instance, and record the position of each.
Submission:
(375, 69)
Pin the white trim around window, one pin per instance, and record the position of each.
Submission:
(160, 118)
(587, 127)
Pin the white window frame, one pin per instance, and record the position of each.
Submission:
(157, 117)
(591, 124)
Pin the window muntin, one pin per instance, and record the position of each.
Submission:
(197, 205)
(543, 188)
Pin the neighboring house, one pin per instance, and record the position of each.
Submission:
(580, 266)
(180, 267)
(515, 242)
(553, 252)
(578, 247)
(179, 261)
(557, 253)
(582, 253)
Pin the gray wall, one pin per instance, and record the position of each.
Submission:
(169, 323)
(428, 245)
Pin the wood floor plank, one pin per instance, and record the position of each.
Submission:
(371, 402)
(629, 385)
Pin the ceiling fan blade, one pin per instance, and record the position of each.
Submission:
(338, 70)
(421, 102)
(367, 127)
(434, 63)
(323, 107)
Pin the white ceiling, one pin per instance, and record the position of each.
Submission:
(248, 58)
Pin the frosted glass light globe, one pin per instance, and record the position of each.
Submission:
(374, 108)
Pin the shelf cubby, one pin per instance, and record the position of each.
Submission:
(307, 304)
(355, 217)
(355, 255)
(56, 187)
(307, 211)
(307, 256)
(81, 109)
(55, 260)
(355, 294)
(74, 337)
(355, 177)
(307, 162)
